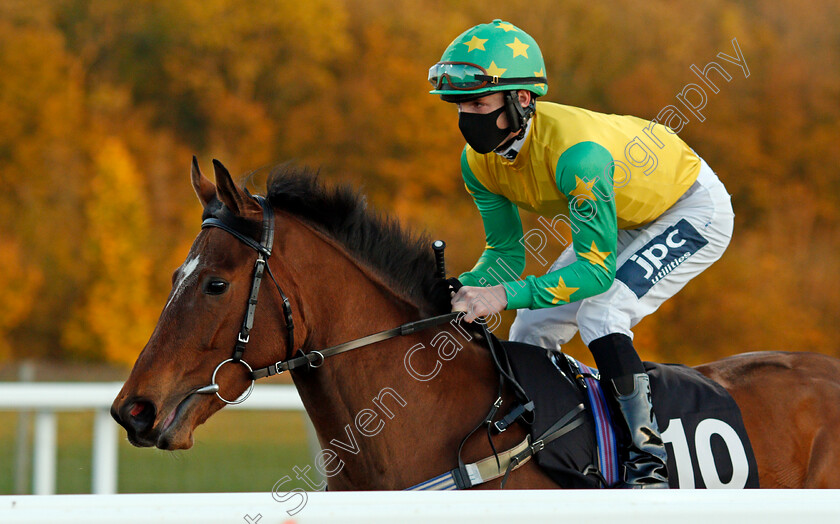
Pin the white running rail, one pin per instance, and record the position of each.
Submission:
(47, 398)
(419, 507)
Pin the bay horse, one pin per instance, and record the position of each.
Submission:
(340, 272)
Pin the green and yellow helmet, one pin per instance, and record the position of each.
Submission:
(489, 57)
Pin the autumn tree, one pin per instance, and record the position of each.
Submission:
(103, 103)
(118, 314)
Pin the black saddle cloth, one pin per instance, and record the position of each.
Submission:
(701, 424)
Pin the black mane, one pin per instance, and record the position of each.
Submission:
(405, 260)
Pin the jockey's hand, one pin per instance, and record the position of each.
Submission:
(441, 292)
(479, 301)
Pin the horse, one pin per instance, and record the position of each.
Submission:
(397, 409)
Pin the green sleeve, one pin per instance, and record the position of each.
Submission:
(584, 175)
(504, 257)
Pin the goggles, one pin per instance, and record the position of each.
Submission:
(464, 76)
(461, 76)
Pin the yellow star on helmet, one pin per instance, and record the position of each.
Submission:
(519, 49)
(475, 43)
(596, 257)
(495, 70)
(583, 188)
(561, 292)
(506, 27)
(541, 72)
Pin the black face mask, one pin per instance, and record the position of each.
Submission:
(481, 131)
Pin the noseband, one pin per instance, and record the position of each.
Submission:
(312, 359)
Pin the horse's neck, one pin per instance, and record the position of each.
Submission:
(394, 412)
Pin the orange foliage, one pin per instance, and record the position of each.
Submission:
(119, 313)
(102, 103)
(19, 288)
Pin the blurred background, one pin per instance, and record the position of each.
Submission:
(103, 103)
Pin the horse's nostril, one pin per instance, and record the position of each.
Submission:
(137, 409)
(140, 415)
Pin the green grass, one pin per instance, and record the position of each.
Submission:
(234, 451)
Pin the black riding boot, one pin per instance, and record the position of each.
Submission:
(620, 366)
(645, 466)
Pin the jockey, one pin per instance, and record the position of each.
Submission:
(646, 215)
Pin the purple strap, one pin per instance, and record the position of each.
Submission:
(607, 452)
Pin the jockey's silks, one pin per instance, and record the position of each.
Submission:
(595, 172)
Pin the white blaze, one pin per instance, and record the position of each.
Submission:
(186, 272)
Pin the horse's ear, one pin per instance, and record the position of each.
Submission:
(204, 188)
(235, 198)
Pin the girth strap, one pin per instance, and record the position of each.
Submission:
(484, 470)
(501, 464)
(517, 410)
(566, 424)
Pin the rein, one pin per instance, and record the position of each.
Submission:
(307, 360)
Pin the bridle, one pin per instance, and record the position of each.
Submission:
(312, 359)
(263, 249)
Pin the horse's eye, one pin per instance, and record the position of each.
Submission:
(216, 286)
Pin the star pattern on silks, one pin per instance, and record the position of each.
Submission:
(475, 43)
(519, 48)
(596, 257)
(561, 292)
(506, 27)
(495, 70)
(583, 188)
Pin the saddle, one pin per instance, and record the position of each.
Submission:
(700, 423)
